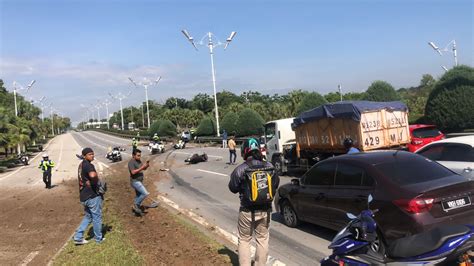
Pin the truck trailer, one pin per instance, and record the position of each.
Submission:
(300, 142)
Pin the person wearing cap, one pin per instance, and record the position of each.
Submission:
(90, 198)
(349, 145)
(253, 219)
(46, 165)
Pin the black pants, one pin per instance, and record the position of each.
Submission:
(47, 178)
(232, 153)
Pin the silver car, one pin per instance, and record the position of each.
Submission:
(456, 154)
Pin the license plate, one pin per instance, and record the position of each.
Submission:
(457, 203)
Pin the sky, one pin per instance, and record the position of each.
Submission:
(79, 51)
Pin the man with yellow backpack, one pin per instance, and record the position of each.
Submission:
(46, 165)
(256, 182)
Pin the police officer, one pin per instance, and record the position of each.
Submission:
(134, 144)
(156, 138)
(46, 165)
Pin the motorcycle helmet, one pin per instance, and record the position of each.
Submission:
(348, 143)
(250, 145)
(45, 155)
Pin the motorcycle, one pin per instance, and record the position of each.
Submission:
(180, 145)
(115, 154)
(196, 158)
(448, 245)
(23, 158)
(156, 147)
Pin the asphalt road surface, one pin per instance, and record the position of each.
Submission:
(203, 189)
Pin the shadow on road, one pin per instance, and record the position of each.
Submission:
(316, 230)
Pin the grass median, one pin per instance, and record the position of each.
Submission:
(117, 249)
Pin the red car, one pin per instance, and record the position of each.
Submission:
(422, 135)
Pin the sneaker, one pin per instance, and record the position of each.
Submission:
(137, 210)
(102, 240)
(80, 242)
(154, 204)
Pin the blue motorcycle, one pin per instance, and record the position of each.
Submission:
(444, 245)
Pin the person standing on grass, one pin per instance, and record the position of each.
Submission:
(224, 139)
(136, 168)
(232, 152)
(90, 198)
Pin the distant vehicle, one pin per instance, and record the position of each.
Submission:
(413, 194)
(186, 136)
(131, 126)
(422, 135)
(456, 154)
(115, 155)
(300, 142)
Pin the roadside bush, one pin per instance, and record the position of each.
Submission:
(229, 122)
(249, 123)
(310, 101)
(167, 129)
(207, 127)
(450, 105)
(155, 126)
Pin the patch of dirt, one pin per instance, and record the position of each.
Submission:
(158, 236)
(36, 223)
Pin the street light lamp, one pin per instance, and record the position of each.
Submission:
(453, 50)
(18, 87)
(211, 45)
(145, 84)
(120, 97)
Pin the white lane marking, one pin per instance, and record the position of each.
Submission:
(22, 167)
(228, 236)
(188, 153)
(60, 155)
(97, 144)
(29, 258)
(102, 165)
(210, 172)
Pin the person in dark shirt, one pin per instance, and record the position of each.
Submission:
(90, 198)
(136, 168)
(253, 219)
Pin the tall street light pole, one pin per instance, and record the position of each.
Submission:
(52, 118)
(120, 97)
(106, 103)
(145, 84)
(211, 45)
(339, 87)
(18, 87)
(453, 50)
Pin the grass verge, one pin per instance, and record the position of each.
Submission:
(116, 249)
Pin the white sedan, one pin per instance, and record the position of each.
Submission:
(456, 154)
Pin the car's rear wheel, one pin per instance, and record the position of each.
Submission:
(289, 215)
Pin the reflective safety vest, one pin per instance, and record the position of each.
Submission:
(134, 143)
(46, 165)
(156, 138)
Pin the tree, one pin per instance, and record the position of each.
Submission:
(381, 91)
(176, 103)
(333, 97)
(451, 103)
(203, 102)
(154, 127)
(167, 128)
(207, 127)
(250, 123)
(229, 122)
(225, 98)
(310, 101)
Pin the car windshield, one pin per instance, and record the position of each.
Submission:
(412, 170)
(427, 132)
(455, 152)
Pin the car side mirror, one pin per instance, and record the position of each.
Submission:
(370, 198)
(295, 182)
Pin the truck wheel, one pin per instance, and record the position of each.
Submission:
(289, 215)
(277, 164)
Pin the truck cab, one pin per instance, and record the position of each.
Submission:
(278, 134)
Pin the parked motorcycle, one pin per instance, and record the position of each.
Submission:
(444, 245)
(115, 155)
(197, 158)
(156, 147)
(23, 158)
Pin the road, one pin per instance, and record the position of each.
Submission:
(202, 188)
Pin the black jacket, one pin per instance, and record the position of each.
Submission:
(236, 183)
